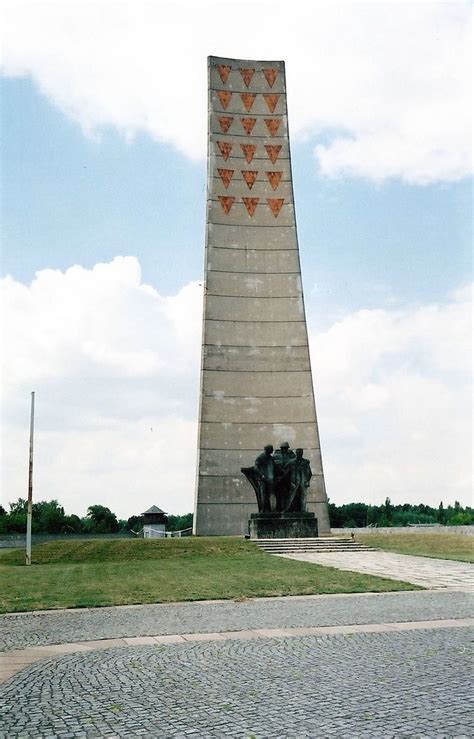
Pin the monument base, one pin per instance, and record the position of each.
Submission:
(282, 525)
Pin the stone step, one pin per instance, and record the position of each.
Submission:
(313, 540)
(313, 546)
(347, 548)
(309, 542)
(321, 545)
(312, 551)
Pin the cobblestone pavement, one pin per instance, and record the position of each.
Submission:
(413, 684)
(19, 631)
(424, 571)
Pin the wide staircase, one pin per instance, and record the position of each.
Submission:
(311, 546)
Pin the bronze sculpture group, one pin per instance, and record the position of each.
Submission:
(280, 479)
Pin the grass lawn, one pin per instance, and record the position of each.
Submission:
(430, 544)
(123, 571)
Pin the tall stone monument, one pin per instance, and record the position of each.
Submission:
(256, 384)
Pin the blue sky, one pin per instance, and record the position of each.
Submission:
(103, 206)
(70, 199)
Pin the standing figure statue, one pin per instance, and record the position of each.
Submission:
(300, 475)
(280, 480)
(262, 478)
(283, 456)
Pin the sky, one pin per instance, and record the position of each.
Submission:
(103, 220)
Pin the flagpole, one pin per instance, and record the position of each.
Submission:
(29, 514)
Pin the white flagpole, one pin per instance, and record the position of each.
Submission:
(29, 514)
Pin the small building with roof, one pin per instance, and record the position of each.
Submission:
(154, 523)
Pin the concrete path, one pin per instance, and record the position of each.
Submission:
(424, 571)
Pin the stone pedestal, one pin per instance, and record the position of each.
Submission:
(282, 525)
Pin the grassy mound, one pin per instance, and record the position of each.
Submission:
(128, 550)
(124, 572)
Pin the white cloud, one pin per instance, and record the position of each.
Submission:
(394, 399)
(383, 88)
(115, 366)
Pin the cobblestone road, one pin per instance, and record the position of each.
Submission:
(55, 627)
(413, 684)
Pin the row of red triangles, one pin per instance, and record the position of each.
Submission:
(247, 74)
(248, 99)
(273, 150)
(273, 124)
(249, 175)
(251, 203)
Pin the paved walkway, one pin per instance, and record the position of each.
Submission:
(390, 683)
(369, 665)
(424, 571)
(16, 660)
(18, 631)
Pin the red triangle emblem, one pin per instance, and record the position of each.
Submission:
(249, 175)
(226, 176)
(273, 151)
(224, 97)
(224, 71)
(275, 205)
(247, 75)
(225, 123)
(270, 76)
(226, 202)
(249, 151)
(248, 99)
(273, 124)
(271, 100)
(250, 204)
(274, 178)
(248, 124)
(224, 149)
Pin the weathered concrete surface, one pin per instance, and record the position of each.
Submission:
(256, 384)
(425, 571)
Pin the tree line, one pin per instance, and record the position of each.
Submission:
(49, 518)
(355, 515)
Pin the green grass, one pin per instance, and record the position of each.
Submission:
(117, 572)
(442, 546)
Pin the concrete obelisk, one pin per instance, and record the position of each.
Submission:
(256, 384)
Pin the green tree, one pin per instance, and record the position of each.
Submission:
(72, 524)
(3, 520)
(19, 506)
(135, 523)
(441, 514)
(101, 520)
(386, 513)
(48, 517)
(178, 523)
(16, 523)
(461, 518)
